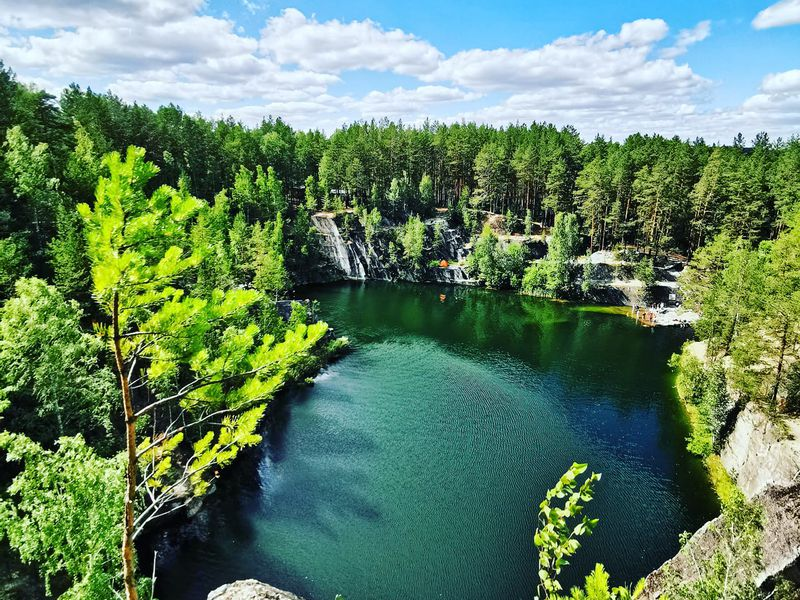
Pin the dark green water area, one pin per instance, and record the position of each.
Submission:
(414, 467)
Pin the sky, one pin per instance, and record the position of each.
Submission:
(701, 68)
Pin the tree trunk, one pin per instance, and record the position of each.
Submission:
(128, 551)
(776, 387)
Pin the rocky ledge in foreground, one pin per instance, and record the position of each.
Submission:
(250, 589)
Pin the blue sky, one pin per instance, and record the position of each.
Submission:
(701, 68)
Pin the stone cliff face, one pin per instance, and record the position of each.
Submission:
(351, 257)
(764, 458)
(760, 453)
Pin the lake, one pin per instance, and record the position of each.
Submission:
(414, 467)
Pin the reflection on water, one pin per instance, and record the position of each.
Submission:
(414, 467)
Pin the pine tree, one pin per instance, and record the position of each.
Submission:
(192, 354)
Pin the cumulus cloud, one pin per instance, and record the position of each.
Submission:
(333, 46)
(778, 96)
(324, 112)
(686, 38)
(405, 102)
(785, 12)
(160, 51)
(774, 108)
(596, 60)
(121, 46)
(41, 14)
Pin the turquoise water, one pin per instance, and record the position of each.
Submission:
(413, 468)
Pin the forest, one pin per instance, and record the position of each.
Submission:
(145, 255)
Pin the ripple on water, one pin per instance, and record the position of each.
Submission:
(414, 466)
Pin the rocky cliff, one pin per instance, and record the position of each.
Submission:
(763, 456)
(343, 242)
(761, 453)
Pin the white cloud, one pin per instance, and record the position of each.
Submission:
(418, 102)
(785, 12)
(122, 46)
(775, 108)
(155, 52)
(333, 46)
(324, 112)
(41, 14)
(599, 59)
(170, 51)
(779, 96)
(252, 7)
(686, 38)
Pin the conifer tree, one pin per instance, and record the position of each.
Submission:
(198, 359)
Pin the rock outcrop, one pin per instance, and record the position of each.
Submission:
(250, 589)
(761, 453)
(764, 457)
(350, 257)
(780, 544)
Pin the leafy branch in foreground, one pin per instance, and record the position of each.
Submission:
(557, 540)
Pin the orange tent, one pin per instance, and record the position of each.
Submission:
(444, 264)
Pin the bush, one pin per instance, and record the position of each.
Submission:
(704, 393)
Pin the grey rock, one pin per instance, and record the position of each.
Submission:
(780, 543)
(250, 589)
(761, 452)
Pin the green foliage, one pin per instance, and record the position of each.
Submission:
(645, 273)
(426, 195)
(139, 247)
(53, 515)
(597, 586)
(483, 262)
(588, 275)
(704, 390)
(793, 390)
(750, 305)
(557, 540)
(556, 537)
(729, 573)
(239, 248)
(83, 166)
(511, 222)
(310, 193)
(494, 265)
(492, 176)
(565, 240)
(235, 433)
(68, 256)
(371, 222)
(299, 314)
(554, 275)
(29, 168)
(269, 270)
(14, 262)
(51, 370)
(528, 222)
(721, 283)
(412, 239)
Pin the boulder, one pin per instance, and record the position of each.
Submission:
(250, 589)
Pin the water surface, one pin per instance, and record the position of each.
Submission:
(413, 468)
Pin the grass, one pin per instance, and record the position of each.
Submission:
(723, 483)
(608, 310)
